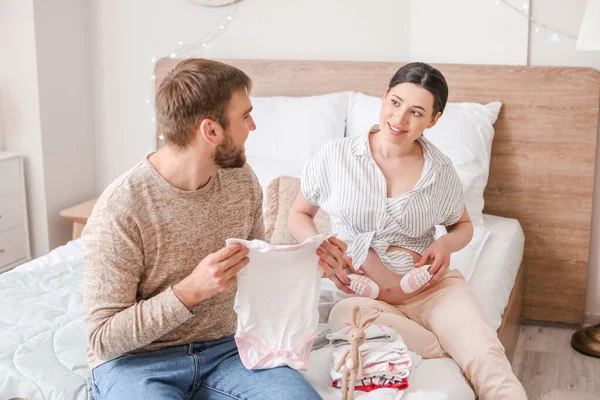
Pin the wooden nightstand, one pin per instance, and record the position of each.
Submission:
(78, 214)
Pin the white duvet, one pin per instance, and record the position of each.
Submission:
(42, 340)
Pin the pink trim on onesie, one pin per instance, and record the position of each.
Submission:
(291, 356)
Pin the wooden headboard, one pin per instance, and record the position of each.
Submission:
(543, 155)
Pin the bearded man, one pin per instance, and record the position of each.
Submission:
(159, 284)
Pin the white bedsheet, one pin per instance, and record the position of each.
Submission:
(42, 341)
(498, 265)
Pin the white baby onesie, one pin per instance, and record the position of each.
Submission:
(276, 303)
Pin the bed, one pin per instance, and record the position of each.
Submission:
(536, 201)
(42, 354)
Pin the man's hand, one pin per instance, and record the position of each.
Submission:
(215, 274)
(334, 263)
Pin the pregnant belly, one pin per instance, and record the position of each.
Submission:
(389, 282)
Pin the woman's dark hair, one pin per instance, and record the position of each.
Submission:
(427, 77)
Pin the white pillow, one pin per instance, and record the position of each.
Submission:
(363, 113)
(290, 130)
(464, 133)
(267, 169)
(466, 259)
(295, 128)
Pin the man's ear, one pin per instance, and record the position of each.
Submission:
(434, 120)
(211, 131)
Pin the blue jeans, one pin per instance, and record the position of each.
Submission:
(202, 370)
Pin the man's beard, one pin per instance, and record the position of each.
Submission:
(228, 155)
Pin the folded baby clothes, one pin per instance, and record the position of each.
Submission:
(276, 304)
(379, 359)
(396, 346)
(375, 332)
(387, 363)
(370, 384)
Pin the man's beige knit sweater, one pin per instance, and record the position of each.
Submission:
(143, 237)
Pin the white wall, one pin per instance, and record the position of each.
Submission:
(20, 122)
(45, 109)
(64, 76)
(567, 17)
(126, 35)
(466, 32)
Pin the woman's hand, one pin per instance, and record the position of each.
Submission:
(459, 235)
(438, 252)
(334, 262)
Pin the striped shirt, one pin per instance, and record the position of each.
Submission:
(346, 182)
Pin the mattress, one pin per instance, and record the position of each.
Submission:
(42, 351)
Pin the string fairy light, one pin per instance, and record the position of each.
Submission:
(204, 44)
(555, 34)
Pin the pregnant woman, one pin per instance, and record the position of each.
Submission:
(385, 191)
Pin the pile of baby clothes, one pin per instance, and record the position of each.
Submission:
(386, 361)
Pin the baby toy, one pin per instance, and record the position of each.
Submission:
(352, 358)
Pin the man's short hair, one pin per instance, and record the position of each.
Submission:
(194, 90)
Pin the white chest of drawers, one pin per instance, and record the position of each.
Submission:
(14, 232)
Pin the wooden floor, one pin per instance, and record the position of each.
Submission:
(550, 369)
